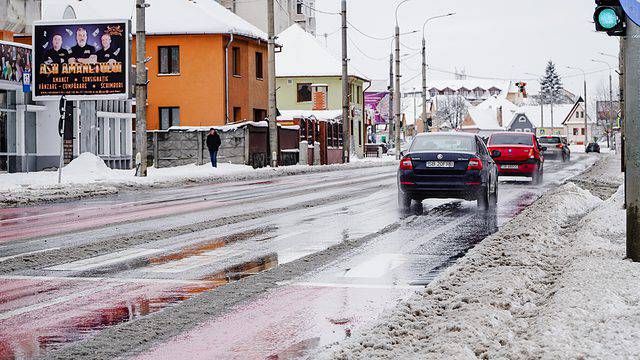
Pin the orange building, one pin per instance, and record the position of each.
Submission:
(207, 65)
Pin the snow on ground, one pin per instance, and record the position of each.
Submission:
(87, 175)
(552, 283)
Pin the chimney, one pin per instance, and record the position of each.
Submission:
(500, 116)
(319, 96)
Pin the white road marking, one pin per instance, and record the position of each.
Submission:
(376, 266)
(104, 260)
(104, 279)
(39, 306)
(192, 262)
(27, 253)
(358, 286)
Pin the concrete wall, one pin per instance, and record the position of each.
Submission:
(177, 148)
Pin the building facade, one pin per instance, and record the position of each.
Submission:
(309, 77)
(286, 13)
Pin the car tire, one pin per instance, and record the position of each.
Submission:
(404, 202)
(483, 199)
(538, 176)
(494, 197)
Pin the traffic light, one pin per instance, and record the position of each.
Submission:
(610, 17)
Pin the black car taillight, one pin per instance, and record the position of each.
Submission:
(474, 164)
(406, 164)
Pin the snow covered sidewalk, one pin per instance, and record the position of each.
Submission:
(88, 176)
(551, 284)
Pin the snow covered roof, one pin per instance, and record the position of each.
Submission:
(163, 17)
(318, 114)
(303, 55)
(485, 114)
(471, 84)
(534, 114)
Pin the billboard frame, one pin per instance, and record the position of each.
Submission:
(12, 84)
(127, 67)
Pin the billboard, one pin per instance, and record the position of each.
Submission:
(15, 59)
(607, 111)
(377, 105)
(84, 60)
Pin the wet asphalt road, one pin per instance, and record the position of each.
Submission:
(182, 242)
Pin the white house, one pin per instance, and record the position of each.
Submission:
(574, 124)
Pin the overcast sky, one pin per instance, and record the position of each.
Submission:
(491, 38)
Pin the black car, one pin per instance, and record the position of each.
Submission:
(593, 147)
(448, 165)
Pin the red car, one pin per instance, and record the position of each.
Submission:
(521, 155)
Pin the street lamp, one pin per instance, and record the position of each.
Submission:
(586, 110)
(610, 117)
(424, 69)
(396, 96)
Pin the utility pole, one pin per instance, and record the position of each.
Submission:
(396, 96)
(273, 125)
(390, 126)
(632, 138)
(586, 115)
(141, 87)
(346, 123)
(424, 84)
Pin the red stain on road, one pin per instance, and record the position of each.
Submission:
(34, 328)
(290, 322)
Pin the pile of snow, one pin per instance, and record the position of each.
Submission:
(550, 284)
(88, 165)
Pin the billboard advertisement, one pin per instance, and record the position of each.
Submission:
(15, 60)
(377, 105)
(607, 111)
(84, 60)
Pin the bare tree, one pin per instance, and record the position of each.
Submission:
(452, 109)
(605, 113)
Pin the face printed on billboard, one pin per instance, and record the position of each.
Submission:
(86, 60)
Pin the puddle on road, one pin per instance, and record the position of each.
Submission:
(38, 331)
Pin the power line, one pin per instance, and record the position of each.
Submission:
(320, 11)
(386, 58)
(369, 36)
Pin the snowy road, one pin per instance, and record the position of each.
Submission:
(338, 250)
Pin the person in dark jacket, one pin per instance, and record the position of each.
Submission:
(213, 144)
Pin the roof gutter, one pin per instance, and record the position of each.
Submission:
(226, 78)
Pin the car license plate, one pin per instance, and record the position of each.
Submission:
(440, 164)
(510, 167)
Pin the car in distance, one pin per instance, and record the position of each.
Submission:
(448, 165)
(520, 155)
(593, 147)
(557, 147)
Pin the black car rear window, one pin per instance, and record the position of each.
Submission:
(511, 139)
(549, 140)
(444, 143)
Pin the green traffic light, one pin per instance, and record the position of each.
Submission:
(608, 18)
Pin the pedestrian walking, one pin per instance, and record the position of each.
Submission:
(213, 144)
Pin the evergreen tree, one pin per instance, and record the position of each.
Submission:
(551, 86)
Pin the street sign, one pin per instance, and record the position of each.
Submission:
(632, 9)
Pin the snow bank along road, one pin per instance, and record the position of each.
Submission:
(254, 269)
(557, 287)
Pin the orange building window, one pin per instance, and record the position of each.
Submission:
(169, 60)
(259, 66)
(169, 116)
(237, 114)
(236, 61)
